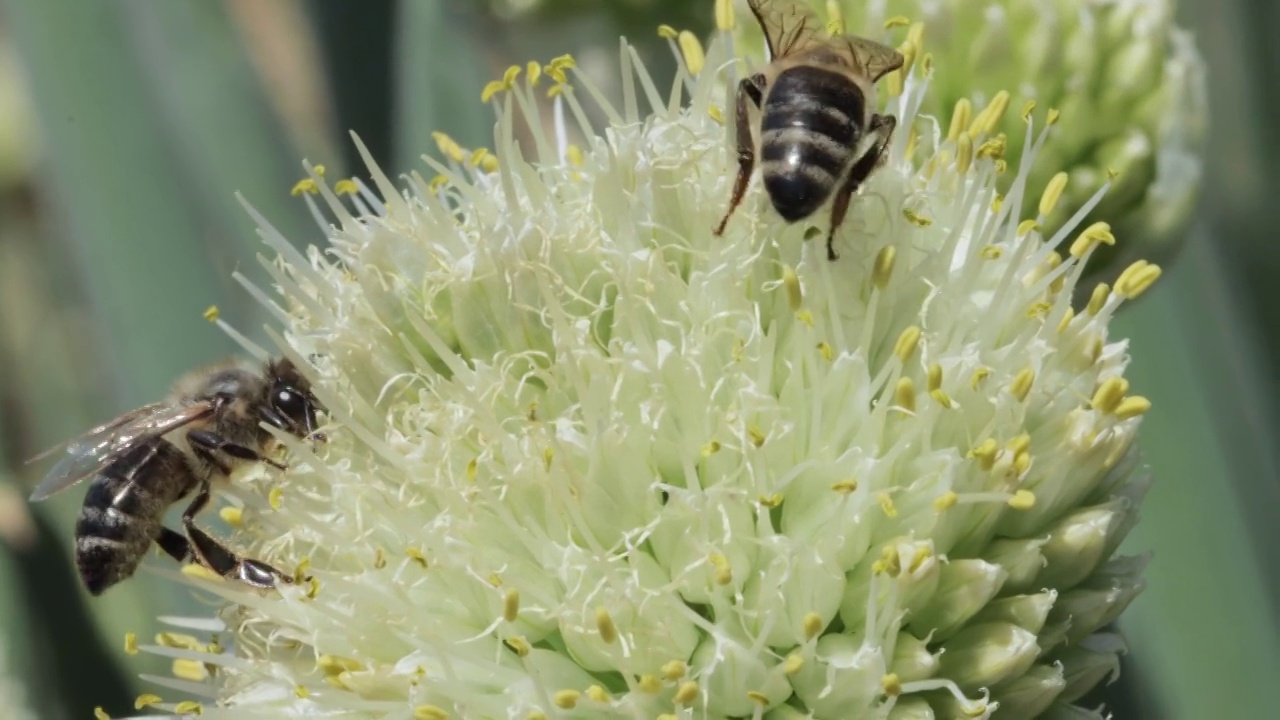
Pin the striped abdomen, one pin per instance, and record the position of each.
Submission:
(123, 511)
(811, 124)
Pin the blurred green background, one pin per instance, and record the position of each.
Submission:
(126, 127)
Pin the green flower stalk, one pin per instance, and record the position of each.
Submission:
(1129, 83)
(587, 460)
(13, 696)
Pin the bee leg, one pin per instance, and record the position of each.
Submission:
(206, 443)
(215, 556)
(174, 544)
(882, 126)
(752, 89)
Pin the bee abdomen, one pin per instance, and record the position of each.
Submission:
(113, 532)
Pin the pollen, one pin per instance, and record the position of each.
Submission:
(691, 50)
(886, 504)
(1052, 194)
(961, 116)
(770, 501)
(533, 73)
(305, 185)
(1090, 237)
(723, 570)
(946, 501)
(1109, 395)
(757, 697)
(511, 605)
(904, 394)
(146, 700)
(891, 684)
(178, 640)
(755, 435)
(346, 186)
(211, 313)
(1136, 279)
(1022, 500)
(599, 694)
(131, 643)
(791, 281)
(845, 487)
(994, 149)
(934, 377)
(448, 147)
(804, 317)
(724, 15)
(915, 218)
(429, 712)
(566, 699)
(686, 693)
(1132, 407)
(100, 714)
(812, 625)
(604, 625)
(192, 670)
(827, 352)
(883, 267)
(674, 670)
(232, 516)
(416, 555)
(650, 684)
(979, 375)
(1021, 384)
(1027, 108)
(908, 339)
(985, 453)
(188, 707)
(668, 32)
(274, 497)
(302, 692)
(990, 252)
(518, 645)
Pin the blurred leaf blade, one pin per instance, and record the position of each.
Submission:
(1204, 633)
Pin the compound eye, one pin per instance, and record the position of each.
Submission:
(292, 404)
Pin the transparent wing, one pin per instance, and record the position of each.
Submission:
(875, 59)
(91, 451)
(788, 25)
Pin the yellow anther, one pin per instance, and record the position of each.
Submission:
(713, 110)
(561, 85)
(130, 643)
(448, 146)
(1132, 407)
(792, 664)
(429, 712)
(990, 252)
(710, 449)
(904, 395)
(926, 64)
(473, 468)
(1021, 463)
(491, 88)
(891, 684)
(991, 115)
(1023, 500)
(791, 281)
(1109, 395)
(1098, 299)
(146, 700)
(994, 148)
(886, 504)
(1095, 351)
(511, 605)
(934, 377)
(835, 18)
(1112, 173)
(985, 453)
(188, 707)
(1021, 384)
(509, 77)
(533, 72)
(562, 62)
(913, 140)
(192, 670)
(436, 183)
(828, 353)
(908, 339)
(536, 715)
(1067, 317)
(211, 313)
(573, 154)
(379, 559)
(416, 555)
(548, 457)
(691, 49)
(1052, 117)
(668, 32)
(305, 185)
(301, 692)
(915, 218)
(915, 35)
(319, 170)
(200, 572)
(313, 588)
(597, 693)
(757, 697)
(674, 670)
(686, 693)
(961, 116)
(755, 436)
(979, 375)
(1019, 444)
(883, 267)
(566, 699)
(1027, 108)
(178, 640)
(100, 714)
(942, 398)
(1099, 232)
(897, 21)
(804, 317)
(650, 684)
(724, 15)
(346, 186)
(812, 624)
(275, 497)
(723, 570)
(964, 154)
(518, 644)
(1039, 309)
(1052, 193)
(845, 487)
(477, 155)
(604, 625)
(946, 501)
(1026, 226)
(1136, 279)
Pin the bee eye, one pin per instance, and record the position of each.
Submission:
(292, 404)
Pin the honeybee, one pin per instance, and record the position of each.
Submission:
(818, 132)
(150, 458)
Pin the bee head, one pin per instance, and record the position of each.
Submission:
(289, 404)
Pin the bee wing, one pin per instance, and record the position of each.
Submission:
(875, 59)
(89, 452)
(788, 25)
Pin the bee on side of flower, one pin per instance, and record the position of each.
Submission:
(147, 459)
(817, 132)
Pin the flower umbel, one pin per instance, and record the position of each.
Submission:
(587, 460)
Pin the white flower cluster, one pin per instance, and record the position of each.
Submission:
(588, 460)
